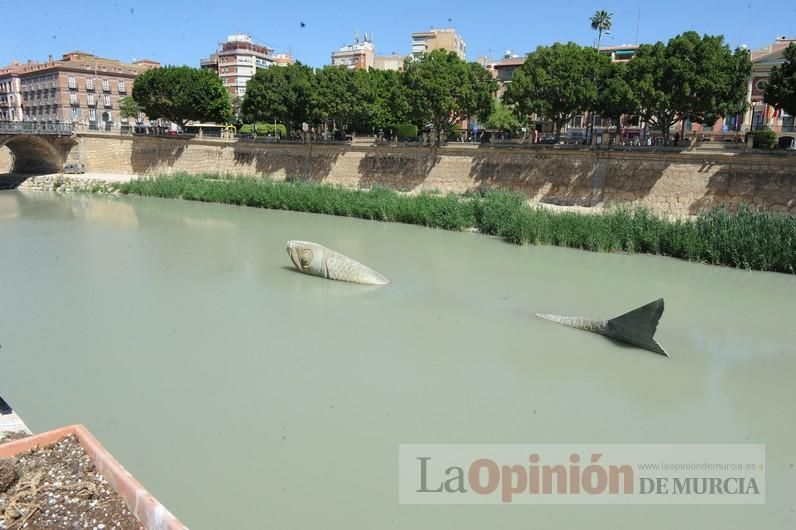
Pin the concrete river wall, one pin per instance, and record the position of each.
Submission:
(680, 183)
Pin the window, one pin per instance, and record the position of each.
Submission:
(107, 100)
(92, 114)
(761, 84)
(75, 113)
(787, 122)
(106, 85)
(121, 86)
(90, 98)
(72, 83)
(73, 99)
(89, 84)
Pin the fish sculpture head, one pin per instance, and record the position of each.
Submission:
(307, 256)
(317, 260)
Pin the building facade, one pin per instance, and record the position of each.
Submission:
(438, 39)
(81, 89)
(760, 115)
(357, 56)
(392, 61)
(504, 68)
(10, 93)
(620, 54)
(238, 58)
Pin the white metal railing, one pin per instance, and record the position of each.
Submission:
(35, 127)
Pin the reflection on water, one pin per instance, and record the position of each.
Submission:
(245, 394)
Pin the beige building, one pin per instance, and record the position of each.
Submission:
(81, 89)
(438, 39)
(760, 114)
(282, 59)
(392, 61)
(357, 56)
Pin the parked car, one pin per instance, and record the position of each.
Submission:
(74, 168)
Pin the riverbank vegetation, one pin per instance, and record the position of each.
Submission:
(748, 238)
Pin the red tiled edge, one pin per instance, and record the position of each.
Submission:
(147, 509)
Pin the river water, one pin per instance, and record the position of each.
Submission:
(246, 395)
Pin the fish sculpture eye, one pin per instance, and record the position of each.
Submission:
(306, 258)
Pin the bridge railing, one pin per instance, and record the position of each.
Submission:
(34, 127)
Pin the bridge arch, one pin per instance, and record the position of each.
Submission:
(33, 154)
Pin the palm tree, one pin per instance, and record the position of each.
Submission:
(601, 22)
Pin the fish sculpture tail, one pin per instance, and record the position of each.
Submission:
(636, 327)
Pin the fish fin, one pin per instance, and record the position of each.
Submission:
(638, 326)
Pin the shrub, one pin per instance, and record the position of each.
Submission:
(264, 129)
(764, 139)
(748, 238)
(406, 131)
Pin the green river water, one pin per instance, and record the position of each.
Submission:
(244, 395)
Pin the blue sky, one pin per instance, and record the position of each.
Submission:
(181, 32)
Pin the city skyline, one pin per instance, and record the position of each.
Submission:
(182, 33)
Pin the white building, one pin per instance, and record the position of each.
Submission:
(237, 60)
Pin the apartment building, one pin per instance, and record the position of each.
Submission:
(282, 59)
(238, 58)
(504, 68)
(81, 88)
(620, 54)
(10, 93)
(391, 61)
(438, 39)
(357, 56)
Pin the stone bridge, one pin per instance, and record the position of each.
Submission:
(36, 147)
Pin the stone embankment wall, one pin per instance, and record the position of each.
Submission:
(679, 183)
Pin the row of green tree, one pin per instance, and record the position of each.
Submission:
(438, 89)
(692, 77)
(689, 78)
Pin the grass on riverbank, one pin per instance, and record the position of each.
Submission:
(747, 238)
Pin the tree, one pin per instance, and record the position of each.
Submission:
(235, 103)
(601, 23)
(181, 93)
(340, 96)
(128, 108)
(443, 90)
(280, 93)
(390, 106)
(503, 118)
(556, 82)
(689, 78)
(616, 96)
(780, 90)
